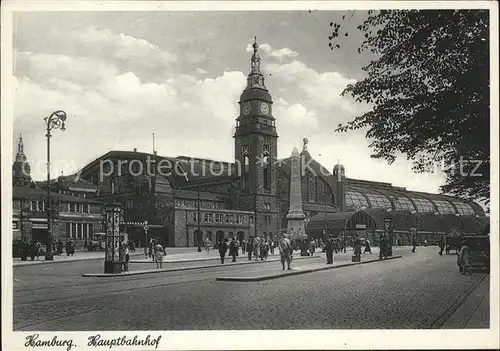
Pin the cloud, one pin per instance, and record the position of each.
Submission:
(117, 49)
(201, 71)
(282, 54)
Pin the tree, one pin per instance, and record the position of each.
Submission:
(429, 92)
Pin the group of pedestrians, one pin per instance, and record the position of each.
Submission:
(30, 249)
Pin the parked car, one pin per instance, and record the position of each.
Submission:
(479, 252)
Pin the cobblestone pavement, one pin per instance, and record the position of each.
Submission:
(412, 292)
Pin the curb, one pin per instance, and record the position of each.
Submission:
(286, 274)
(196, 260)
(152, 271)
(35, 263)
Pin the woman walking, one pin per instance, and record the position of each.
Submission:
(257, 248)
(463, 259)
(367, 247)
(158, 255)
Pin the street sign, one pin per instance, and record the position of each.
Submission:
(360, 226)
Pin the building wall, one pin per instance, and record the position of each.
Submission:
(186, 225)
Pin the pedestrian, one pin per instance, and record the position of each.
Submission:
(127, 257)
(357, 248)
(441, 246)
(151, 249)
(24, 250)
(207, 245)
(159, 252)
(463, 259)
(85, 244)
(265, 250)
(285, 249)
(121, 251)
(329, 249)
(243, 246)
(256, 247)
(37, 249)
(272, 245)
(368, 248)
(383, 247)
(312, 247)
(233, 249)
(60, 247)
(414, 244)
(250, 248)
(222, 246)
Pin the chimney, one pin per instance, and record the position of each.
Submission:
(135, 149)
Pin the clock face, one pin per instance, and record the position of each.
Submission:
(264, 108)
(246, 108)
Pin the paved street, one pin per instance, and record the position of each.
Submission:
(420, 290)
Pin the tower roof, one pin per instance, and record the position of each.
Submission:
(256, 88)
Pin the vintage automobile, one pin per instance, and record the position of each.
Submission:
(452, 243)
(479, 252)
(97, 243)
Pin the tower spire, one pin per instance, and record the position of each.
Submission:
(255, 78)
(21, 157)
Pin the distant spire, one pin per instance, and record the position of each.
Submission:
(21, 157)
(255, 78)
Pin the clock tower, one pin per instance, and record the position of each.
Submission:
(256, 143)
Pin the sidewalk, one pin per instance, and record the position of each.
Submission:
(474, 310)
(174, 254)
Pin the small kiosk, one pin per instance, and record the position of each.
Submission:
(112, 214)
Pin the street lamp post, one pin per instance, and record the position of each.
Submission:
(145, 226)
(55, 121)
(198, 218)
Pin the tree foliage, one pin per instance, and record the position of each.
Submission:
(429, 92)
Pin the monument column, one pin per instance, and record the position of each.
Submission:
(295, 217)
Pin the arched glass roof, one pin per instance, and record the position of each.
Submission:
(356, 199)
(379, 201)
(464, 209)
(402, 203)
(423, 205)
(444, 207)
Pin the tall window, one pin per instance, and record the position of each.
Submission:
(130, 203)
(246, 167)
(73, 231)
(266, 167)
(195, 217)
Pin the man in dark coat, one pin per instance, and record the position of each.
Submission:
(250, 248)
(329, 249)
(383, 247)
(441, 246)
(222, 246)
(233, 249)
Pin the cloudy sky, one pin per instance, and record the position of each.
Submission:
(122, 76)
